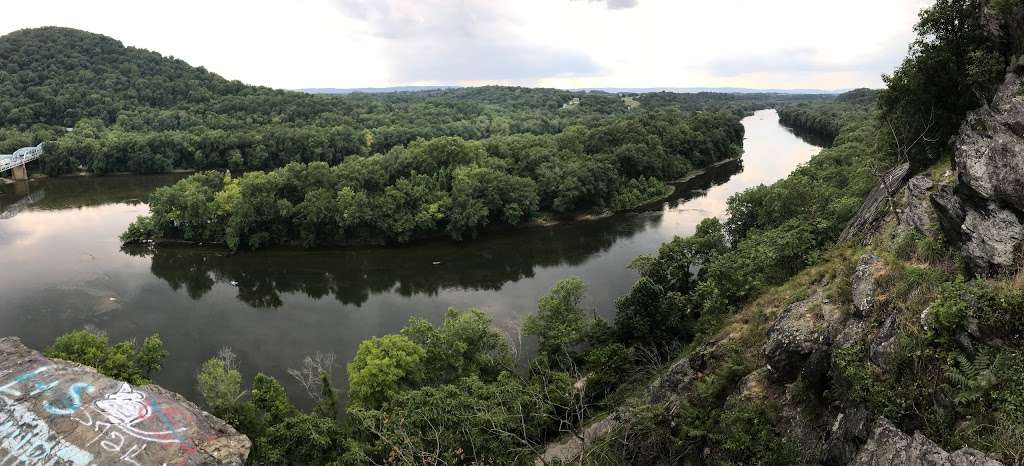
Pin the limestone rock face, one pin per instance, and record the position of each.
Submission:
(56, 412)
(888, 446)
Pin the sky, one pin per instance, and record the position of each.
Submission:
(293, 44)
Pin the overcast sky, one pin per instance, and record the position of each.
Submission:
(823, 44)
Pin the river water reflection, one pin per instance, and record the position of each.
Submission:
(62, 268)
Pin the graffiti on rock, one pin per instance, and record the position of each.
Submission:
(122, 421)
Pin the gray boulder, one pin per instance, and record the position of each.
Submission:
(864, 283)
(917, 211)
(849, 431)
(56, 412)
(992, 239)
(888, 446)
(950, 213)
(885, 346)
(804, 329)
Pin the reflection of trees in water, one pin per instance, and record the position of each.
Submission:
(808, 136)
(86, 191)
(353, 275)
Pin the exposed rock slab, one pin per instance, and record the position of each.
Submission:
(917, 210)
(992, 239)
(885, 347)
(864, 283)
(876, 205)
(849, 431)
(54, 412)
(799, 340)
(950, 213)
(888, 446)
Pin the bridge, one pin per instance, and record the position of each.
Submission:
(16, 161)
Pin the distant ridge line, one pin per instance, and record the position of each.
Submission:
(635, 90)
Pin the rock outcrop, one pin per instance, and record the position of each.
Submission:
(877, 204)
(985, 217)
(864, 283)
(888, 446)
(917, 212)
(800, 339)
(56, 412)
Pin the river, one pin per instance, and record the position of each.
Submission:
(62, 269)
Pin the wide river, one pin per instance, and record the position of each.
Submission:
(61, 269)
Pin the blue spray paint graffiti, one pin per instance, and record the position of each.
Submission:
(73, 402)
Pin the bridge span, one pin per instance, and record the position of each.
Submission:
(16, 161)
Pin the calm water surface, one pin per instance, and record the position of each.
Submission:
(62, 269)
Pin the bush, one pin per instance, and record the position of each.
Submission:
(122, 361)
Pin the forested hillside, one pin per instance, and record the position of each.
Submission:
(133, 110)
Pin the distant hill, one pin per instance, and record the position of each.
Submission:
(614, 90)
(59, 75)
(374, 90)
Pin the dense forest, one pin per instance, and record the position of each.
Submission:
(102, 107)
(443, 184)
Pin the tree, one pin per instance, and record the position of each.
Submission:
(560, 323)
(122, 361)
(270, 399)
(381, 368)
(463, 346)
(220, 382)
(327, 406)
(952, 68)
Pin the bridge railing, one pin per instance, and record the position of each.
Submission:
(20, 157)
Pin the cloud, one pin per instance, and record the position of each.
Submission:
(469, 40)
(618, 4)
(810, 60)
(791, 60)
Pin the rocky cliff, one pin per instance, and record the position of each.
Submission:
(983, 210)
(58, 413)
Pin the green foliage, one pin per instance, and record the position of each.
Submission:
(441, 184)
(382, 368)
(984, 309)
(746, 434)
(327, 406)
(270, 399)
(122, 361)
(464, 345)
(135, 110)
(952, 68)
(560, 323)
(139, 231)
(467, 422)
